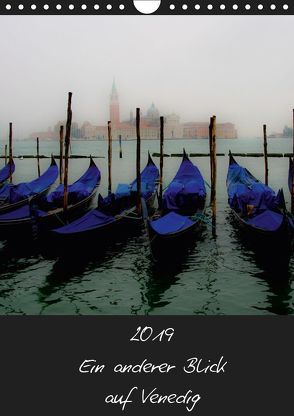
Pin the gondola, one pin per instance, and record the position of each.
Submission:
(259, 211)
(6, 171)
(182, 212)
(113, 213)
(15, 196)
(46, 212)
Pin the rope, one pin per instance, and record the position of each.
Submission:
(59, 219)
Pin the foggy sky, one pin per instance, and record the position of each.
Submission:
(240, 68)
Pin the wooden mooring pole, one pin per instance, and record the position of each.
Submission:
(213, 171)
(67, 145)
(61, 143)
(161, 162)
(38, 157)
(138, 161)
(10, 152)
(265, 155)
(109, 157)
(5, 154)
(120, 148)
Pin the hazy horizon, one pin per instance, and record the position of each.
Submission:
(237, 67)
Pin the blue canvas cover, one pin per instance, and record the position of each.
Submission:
(171, 223)
(186, 190)
(77, 191)
(41, 207)
(5, 171)
(244, 189)
(149, 180)
(113, 204)
(10, 194)
(254, 201)
(16, 214)
(267, 220)
(92, 220)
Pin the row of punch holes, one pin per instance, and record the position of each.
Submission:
(171, 6)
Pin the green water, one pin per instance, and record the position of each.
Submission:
(221, 276)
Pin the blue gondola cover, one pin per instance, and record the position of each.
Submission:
(5, 171)
(116, 202)
(171, 223)
(14, 193)
(186, 188)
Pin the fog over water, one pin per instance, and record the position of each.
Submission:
(237, 67)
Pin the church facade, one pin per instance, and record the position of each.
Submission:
(149, 126)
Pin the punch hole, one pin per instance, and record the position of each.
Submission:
(71, 6)
(84, 7)
(260, 6)
(235, 6)
(46, 7)
(20, 6)
(121, 6)
(8, 7)
(197, 6)
(184, 7)
(247, 7)
(58, 6)
(33, 7)
(222, 6)
(109, 7)
(147, 7)
(285, 7)
(172, 6)
(210, 7)
(96, 6)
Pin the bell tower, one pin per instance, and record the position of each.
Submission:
(114, 106)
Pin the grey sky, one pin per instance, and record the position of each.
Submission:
(239, 68)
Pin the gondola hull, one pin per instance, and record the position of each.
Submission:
(280, 239)
(33, 227)
(269, 229)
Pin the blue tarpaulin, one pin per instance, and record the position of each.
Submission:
(171, 223)
(115, 203)
(77, 191)
(269, 220)
(186, 189)
(5, 171)
(87, 222)
(254, 201)
(244, 189)
(14, 193)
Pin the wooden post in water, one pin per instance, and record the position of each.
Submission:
(161, 161)
(38, 157)
(213, 170)
(67, 145)
(5, 154)
(120, 148)
(10, 152)
(109, 157)
(61, 142)
(265, 155)
(138, 161)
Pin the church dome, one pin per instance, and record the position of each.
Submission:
(152, 112)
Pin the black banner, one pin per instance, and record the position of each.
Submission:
(138, 365)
